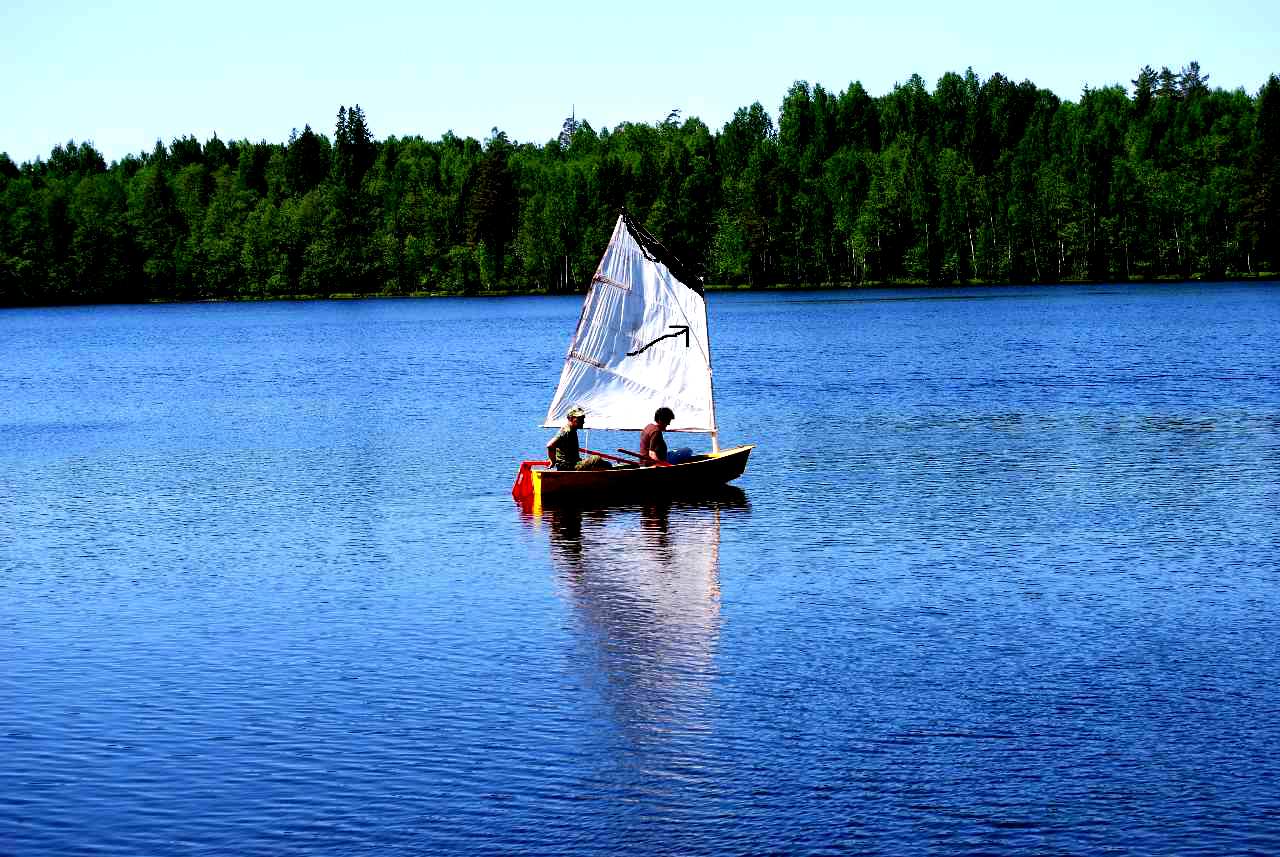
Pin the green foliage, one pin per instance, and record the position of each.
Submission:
(976, 180)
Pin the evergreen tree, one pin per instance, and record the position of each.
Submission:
(307, 162)
(1263, 208)
(492, 206)
(1191, 81)
(1170, 85)
(567, 130)
(1144, 87)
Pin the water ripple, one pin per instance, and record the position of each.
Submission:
(999, 579)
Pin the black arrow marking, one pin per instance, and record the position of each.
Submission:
(680, 328)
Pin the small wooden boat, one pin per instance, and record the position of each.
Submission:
(641, 343)
(536, 483)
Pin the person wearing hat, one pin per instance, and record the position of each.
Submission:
(563, 449)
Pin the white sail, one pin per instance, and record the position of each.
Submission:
(641, 343)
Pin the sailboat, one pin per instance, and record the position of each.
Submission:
(641, 343)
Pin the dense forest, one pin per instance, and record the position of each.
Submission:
(976, 181)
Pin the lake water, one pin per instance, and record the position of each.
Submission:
(1002, 577)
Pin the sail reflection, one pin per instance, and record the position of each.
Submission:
(644, 583)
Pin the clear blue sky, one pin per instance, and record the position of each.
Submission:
(123, 75)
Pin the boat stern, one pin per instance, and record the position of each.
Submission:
(528, 482)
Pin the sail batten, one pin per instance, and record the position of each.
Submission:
(640, 343)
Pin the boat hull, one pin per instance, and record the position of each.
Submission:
(704, 473)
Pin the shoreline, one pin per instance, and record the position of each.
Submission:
(1263, 277)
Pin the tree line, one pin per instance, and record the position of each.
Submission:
(974, 181)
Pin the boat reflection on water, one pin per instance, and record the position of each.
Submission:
(644, 584)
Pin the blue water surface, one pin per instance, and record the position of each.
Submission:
(1001, 578)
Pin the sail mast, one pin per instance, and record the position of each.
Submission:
(711, 381)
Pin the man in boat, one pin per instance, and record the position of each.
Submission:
(563, 449)
(653, 447)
